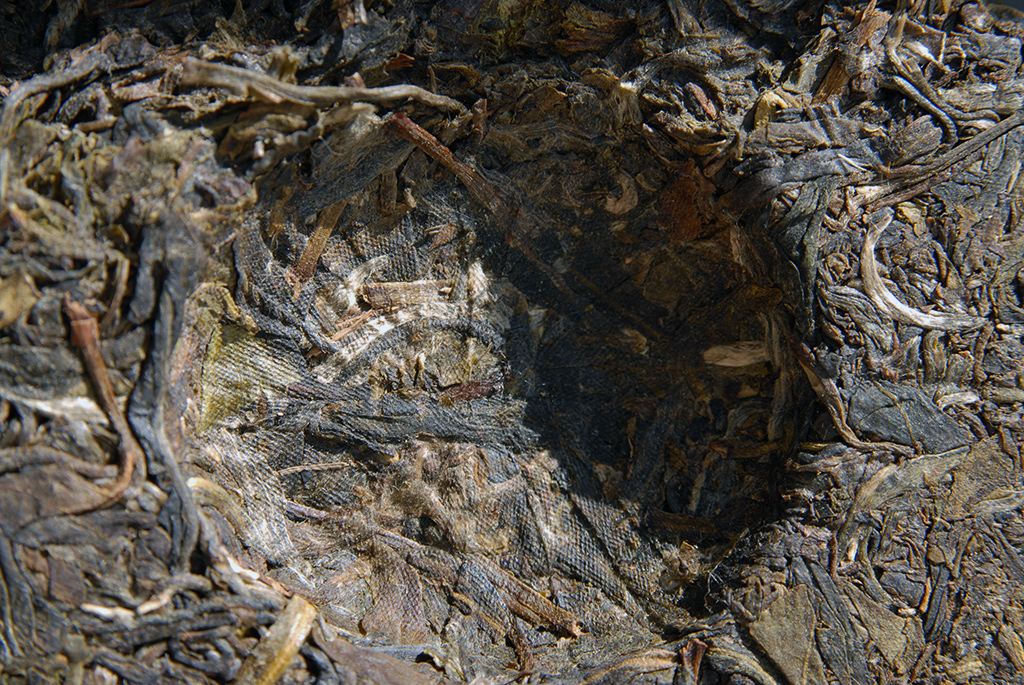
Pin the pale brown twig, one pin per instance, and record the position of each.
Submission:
(250, 83)
(120, 290)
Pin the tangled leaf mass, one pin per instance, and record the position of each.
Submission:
(471, 341)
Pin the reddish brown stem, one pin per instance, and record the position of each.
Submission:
(481, 189)
(85, 336)
(328, 219)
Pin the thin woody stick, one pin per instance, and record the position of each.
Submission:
(85, 336)
(196, 72)
(479, 187)
(304, 269)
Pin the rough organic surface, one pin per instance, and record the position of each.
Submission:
(480, 341)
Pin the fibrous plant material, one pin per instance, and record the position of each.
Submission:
(484, 341)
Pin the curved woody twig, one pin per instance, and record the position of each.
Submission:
(890, 305)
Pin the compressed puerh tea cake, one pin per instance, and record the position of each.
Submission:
(480, 341)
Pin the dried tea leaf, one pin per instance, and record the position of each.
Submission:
(785, 631)
(18, 294)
